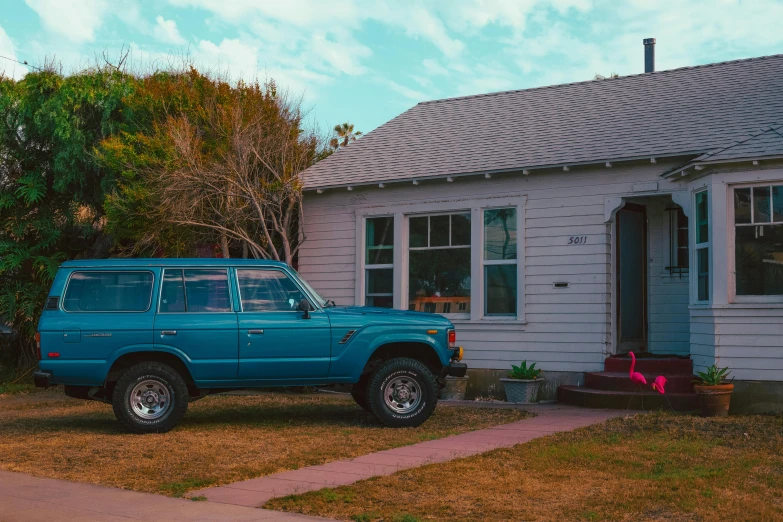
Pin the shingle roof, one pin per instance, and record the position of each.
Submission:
(690, 110)
(765, 142)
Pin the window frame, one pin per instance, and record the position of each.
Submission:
(61, 304)
(231, 303)
(380, 266)
(705, 245)
(731, 241)
(408, 249)
(402, 211)
(496, 262)
(270, 269)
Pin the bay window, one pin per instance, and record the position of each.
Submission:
(758, 240)
(702, 246)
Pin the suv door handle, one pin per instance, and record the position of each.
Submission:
(168, 332)
(255, 332)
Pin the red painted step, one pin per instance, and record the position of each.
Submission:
(619, 381)
(650, 364)
(621, 400)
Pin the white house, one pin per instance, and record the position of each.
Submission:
(566, 224)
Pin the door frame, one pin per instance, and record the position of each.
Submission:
(633, 207)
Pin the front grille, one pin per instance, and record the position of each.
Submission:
(347, 336)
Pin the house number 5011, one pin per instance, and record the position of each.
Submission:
(577, 240)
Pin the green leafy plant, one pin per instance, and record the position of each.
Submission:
(713, 376)
(523, 371)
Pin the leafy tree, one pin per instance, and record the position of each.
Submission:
(217, 163)
(51, 188)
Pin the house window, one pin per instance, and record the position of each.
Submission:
(439, 263)
(500, 261)
(758, 240)
(702, 246)
(678, 241)
(379, 262)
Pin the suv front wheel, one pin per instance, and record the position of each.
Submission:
(150, 397)
(402, 392)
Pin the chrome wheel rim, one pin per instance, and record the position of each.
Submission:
(150, 399)
(402, 395)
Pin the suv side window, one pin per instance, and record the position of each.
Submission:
(108, 291)
(267, 291)
(195, 290)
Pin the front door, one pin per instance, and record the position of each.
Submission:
(276, 341)
(631, 279)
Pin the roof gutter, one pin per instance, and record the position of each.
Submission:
(699, 165)
(489, 172)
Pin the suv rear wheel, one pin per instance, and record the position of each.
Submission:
(402, 392)
(150, 397)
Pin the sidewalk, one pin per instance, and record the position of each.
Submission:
(24, 498)
(550, 418)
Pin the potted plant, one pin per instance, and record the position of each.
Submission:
(522, 385)
(713, 392)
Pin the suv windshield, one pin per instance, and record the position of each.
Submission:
(320, 300)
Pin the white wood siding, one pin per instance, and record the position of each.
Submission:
(566, 329)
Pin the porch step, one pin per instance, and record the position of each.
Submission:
(621, 400)
(619, 381)
(646, 364)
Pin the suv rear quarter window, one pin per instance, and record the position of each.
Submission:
(108, 291)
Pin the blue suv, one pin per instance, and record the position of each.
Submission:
(151, 335)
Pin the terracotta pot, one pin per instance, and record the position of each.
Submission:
(714, 401)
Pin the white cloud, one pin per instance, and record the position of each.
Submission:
(344, 56)
(166, 31)
(7, 67)
(77, 20)
(413, 94)
(433, 67)
(239, 57)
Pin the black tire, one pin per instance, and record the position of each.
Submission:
(359, 394)
(159, 382)
(409, 376)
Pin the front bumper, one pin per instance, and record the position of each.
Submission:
(42, 379)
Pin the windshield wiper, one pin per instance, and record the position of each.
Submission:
(332, 305)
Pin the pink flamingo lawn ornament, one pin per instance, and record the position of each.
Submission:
(636, 377)
(659, 383)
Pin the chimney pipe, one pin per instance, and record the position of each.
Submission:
(649, 55)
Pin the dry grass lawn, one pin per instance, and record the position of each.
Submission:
(223, 439)
(645, 467)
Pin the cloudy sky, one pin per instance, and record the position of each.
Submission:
(366, 61)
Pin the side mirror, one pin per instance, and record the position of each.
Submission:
(306, 307)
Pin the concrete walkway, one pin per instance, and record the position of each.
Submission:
(24, 498)
(551, 418)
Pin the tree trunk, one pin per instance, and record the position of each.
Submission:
(224, 245)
